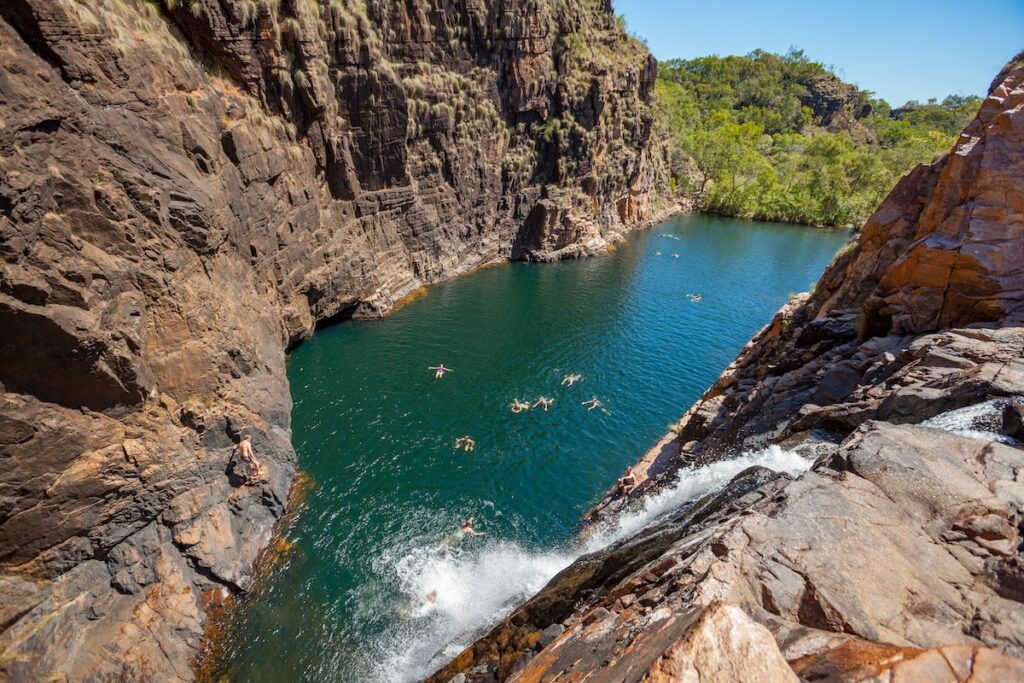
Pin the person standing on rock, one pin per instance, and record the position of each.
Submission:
(252, 466)
(439, 371)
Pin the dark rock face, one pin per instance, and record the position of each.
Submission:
(187, 188)
(1013, 420)
(835, 104)
(898, 555)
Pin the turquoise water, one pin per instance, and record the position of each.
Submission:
(375, 432)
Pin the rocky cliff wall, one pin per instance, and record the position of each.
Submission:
(186, 188)
(897, 556)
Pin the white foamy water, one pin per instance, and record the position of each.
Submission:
(980, 421)
(476, 585)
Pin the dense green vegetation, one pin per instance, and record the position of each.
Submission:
(779, 137)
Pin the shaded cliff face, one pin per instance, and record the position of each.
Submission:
(187, 188)
(898, 554)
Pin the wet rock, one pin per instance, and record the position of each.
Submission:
(549, 634)
(1013, 420)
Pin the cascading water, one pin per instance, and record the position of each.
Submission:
(980, 421)
(477, 585)
(375, 433)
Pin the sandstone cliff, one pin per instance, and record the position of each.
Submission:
(186, 188)
(897, 556)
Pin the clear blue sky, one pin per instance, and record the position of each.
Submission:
(900, 49)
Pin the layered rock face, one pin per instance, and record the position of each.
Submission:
(897, 555)
(188, 187)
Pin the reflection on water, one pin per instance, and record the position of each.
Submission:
(376, 433)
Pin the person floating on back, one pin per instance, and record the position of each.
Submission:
(439, 371)
(519, 406)
(468, 530)
(252, 466)
(626, 482)
(544, 401)
(465, 443)
(571, 379)
(593, 403)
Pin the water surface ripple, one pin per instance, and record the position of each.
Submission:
(375, 432)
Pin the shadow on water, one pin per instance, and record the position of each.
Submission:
(376, 432)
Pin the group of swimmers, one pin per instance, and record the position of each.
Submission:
(545, 402)
(674, 255)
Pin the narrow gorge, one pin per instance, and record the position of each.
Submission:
(189, 189)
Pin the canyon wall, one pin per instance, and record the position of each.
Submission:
(187, 187)
(897, 555)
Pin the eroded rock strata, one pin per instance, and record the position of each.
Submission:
(186, 189)
(897, 555)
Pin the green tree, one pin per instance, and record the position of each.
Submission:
(744, 142)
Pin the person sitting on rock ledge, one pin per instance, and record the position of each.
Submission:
(465, 443)
(519, 406)
(626, 482)
(252, 465)
(439, 371)
(544, 401)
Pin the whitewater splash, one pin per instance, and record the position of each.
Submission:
(980, 421)
(473, 588)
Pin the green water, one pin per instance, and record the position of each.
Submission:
(375, 432)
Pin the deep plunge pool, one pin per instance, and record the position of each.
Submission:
(375, 433)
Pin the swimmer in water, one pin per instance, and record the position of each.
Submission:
(695, 297)
(675, 255)
(545, 402)
(571, 379)
(519, 406)
(439, 371)
(432, 597)
(593, 403)
(657, 253)
(465, 443)
(467, 529)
